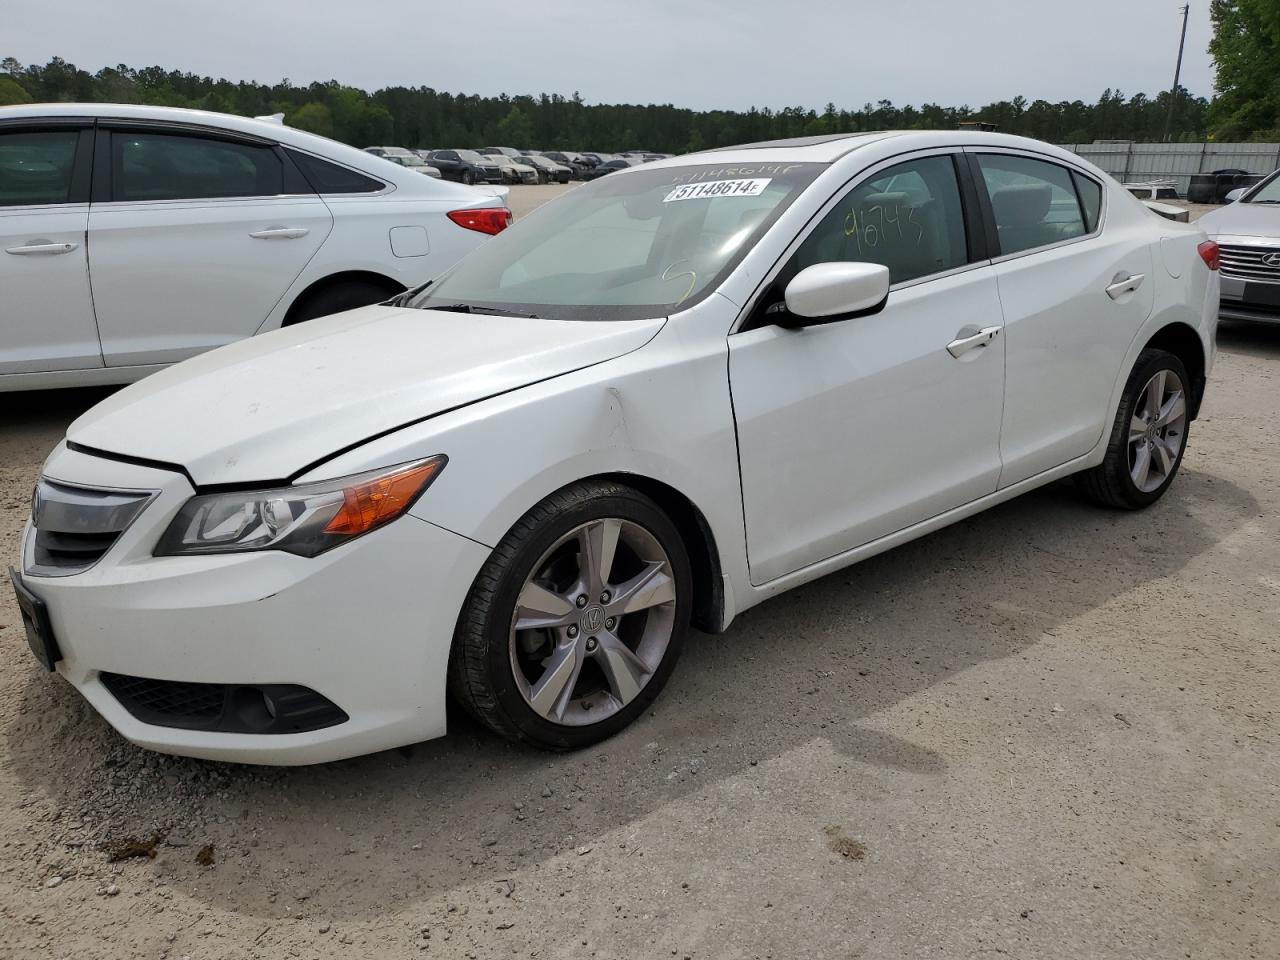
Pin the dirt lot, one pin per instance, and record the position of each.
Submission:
(1046, 732)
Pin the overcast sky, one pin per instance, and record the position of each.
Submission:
(693, 53)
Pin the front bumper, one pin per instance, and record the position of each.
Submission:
(368, 625)
(1236, 304)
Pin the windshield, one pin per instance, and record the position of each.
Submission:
(472, 157)
(625, 247)
(1269, 193)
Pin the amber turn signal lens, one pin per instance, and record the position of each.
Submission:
(370, 505)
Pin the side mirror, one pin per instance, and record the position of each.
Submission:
(826, 292)
(1234, 195)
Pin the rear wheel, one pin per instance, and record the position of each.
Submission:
(576, 621)
(1148, 438)
(338, 297)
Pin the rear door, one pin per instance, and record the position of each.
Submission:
(1074, 293)
(194, 235)
(46, 312)
(852, 430)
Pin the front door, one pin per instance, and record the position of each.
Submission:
(46, 312)
(199, 239)
(852, 430)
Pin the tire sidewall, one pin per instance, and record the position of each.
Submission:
(636, 509)
(1142, 372)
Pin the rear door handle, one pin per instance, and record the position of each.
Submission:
(1120, 285)
(970, 338)
(41, 247)
(280, 233)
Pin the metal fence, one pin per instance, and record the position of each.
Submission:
(1140, 162)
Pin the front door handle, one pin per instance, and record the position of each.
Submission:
(41, 247)
(280, 233)
(970, 338)
(1120, 285)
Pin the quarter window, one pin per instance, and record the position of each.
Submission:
(1034, 202)
(158, 166)
(907, 217)
(1091, 199)
(35, 167)
(326, 177)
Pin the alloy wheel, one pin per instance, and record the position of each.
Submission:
(592, 622)
(1157, 430)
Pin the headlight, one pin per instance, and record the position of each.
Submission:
(305, 519)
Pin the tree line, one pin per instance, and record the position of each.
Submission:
(424, 117)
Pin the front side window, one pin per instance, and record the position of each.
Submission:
(907, 217)
(622, 248)
(1034, 202)
(36, 166)
(161, 166)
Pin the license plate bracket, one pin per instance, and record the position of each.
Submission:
(35, 618)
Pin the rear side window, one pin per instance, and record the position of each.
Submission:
(1034, 202)
(907, 217)
(35, 167)
(162, 166)
(1090, 192)
(326, 177)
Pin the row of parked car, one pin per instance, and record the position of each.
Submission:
(510, 165)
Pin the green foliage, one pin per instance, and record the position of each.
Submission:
(423, 117)
(11, 93)
(1246, 54)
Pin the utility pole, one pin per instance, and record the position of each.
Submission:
(1177, 73)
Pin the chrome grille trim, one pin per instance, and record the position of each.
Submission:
(73, 526)
(1245, 262)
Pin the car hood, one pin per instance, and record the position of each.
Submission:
(1243, 220)
(264, 408)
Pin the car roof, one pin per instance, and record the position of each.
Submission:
(829, 148)
(342, 153)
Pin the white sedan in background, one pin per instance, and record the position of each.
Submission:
(132, 237)
(660, 399)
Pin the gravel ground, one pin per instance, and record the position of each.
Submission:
(1046, 732)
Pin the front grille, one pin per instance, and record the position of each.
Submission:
(168, 702)
(1246, 263)
(224, 707)
(75, 526)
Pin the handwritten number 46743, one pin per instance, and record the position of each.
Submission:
(883, 221)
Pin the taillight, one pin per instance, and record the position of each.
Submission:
(488, 220)
(1211, 254)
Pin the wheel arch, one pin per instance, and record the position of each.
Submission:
(326, 283)
(1184, 342)
(699, 540)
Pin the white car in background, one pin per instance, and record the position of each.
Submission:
(667, 396)
(1248, 230)
(133, 237)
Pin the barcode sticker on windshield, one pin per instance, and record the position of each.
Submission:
(719, 188)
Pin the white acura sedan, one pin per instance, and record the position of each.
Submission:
(132, 237)
(657, 401)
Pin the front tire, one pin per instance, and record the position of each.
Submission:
(576, 621)
(467, 178)
(1148, 437)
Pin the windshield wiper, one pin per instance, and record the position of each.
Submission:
(472, 308)
(402, 299)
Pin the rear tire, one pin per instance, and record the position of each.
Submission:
(337, 298)
(1148, 436)
(600, 578)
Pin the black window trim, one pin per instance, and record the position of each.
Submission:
(980, 182)
(81, 164)
(752, 316)
(383, 188)
(294, 184)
